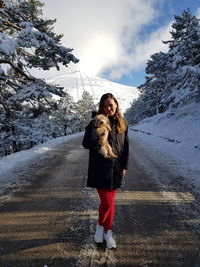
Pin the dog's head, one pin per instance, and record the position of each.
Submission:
(101, 121)
(102, 133)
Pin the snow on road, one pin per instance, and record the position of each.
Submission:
(14, 168)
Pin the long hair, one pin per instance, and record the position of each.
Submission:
(121, 124)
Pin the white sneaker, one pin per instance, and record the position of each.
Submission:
(110, 241)
(98, 236)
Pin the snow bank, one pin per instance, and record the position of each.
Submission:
(176, 134)
(21, 158)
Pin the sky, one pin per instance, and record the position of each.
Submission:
(114, 39)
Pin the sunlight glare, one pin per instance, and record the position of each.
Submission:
(102, 49)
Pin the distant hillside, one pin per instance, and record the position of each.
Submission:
(76, 82)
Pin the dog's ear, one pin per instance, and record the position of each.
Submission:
(94, 120)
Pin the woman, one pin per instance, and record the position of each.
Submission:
(105, 174)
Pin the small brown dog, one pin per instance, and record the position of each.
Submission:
(101, 123)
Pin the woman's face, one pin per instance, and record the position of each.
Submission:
(109, 107)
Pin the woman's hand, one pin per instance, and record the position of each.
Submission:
(123, 172)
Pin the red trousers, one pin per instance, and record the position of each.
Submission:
(106, 207)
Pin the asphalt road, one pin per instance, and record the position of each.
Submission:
(52, 220)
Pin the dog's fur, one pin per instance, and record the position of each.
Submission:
(102, 127)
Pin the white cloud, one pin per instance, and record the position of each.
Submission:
(141, 51)
(105, 34)
(197, 13)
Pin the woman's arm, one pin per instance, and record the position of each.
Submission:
(90, 139)
(86, 143)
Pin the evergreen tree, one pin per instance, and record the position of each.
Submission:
(173, 77)
(27, 40)
(185, 40)
(85, 107)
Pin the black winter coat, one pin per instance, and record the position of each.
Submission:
(104, 172)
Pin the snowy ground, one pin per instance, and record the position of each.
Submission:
(173, 134)
(9, 165)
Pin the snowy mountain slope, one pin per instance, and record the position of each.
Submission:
(77, 82)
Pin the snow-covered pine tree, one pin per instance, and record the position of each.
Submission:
(185, 39)
(184, 52)
(136, 113)
(27, 40)
(156, 85)
(63, 117)
(85, 107)
(174, 77)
